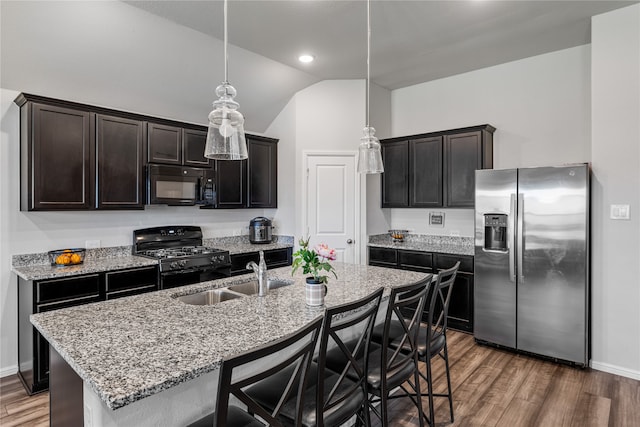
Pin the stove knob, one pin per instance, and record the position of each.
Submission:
(183, 263)
(174, 265)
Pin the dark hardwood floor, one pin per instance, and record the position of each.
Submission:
(490, 388)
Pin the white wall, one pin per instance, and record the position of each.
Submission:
(615, 120)
(539, 105)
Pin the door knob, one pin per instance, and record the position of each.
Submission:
(349, 241)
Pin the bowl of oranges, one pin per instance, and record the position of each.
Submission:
(66, 257)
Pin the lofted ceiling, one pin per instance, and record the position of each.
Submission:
(412, 41)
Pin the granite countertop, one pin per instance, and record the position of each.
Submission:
(421, 242)
(130, 348)
(37, 266)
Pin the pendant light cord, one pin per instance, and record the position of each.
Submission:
(368, 55)
(226, 56)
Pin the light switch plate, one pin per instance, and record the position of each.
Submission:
(619, 212)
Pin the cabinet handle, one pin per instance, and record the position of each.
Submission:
(349, 241)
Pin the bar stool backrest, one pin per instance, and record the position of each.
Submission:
(439, 303)
(360, 316)
(294, 350)
(408, 298)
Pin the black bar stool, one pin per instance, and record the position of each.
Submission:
(332, 398)
(389, 368)
(432, 337)
(296, 352)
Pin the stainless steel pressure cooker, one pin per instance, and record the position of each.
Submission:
(260, 230)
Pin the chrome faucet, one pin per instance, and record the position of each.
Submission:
(260, 271)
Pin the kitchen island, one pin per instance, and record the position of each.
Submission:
(151, 359)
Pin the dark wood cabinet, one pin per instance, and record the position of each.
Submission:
(77, 158)
(425, 172)
(57, 168)
(231, 183)
(251, 183)
(262, 169)
(123, 283)
(120, 164)
(193, 144)
(176, 145)
(460, 316)
(164, 144)
(395, 179)
(273, 257)
(39, 296)
(465, 153)
(435, 169)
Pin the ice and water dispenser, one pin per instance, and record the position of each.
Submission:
(495, 232)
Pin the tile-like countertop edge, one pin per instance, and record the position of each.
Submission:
(119, 257)
(427, 243)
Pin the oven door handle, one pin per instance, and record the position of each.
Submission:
(196, 270)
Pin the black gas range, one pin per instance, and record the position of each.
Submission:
(182, 259)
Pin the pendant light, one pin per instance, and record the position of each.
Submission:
(225, 137)
(369, 156)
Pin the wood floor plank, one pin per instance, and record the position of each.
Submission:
(625, 403)
(559, 404)
(591, 411)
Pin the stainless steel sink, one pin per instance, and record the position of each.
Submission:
(251, 288)
(214, 296)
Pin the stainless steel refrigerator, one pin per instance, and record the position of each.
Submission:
(532, 260)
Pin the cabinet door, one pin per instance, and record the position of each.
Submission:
(460, 314)
(61, 162)
(164, 144)
(415, 260)
(130, 282)
(395, 179)
(425, 171)
(120, 171)
(193, 143)
(278, 257)
(463, 155)
(383, 257)
(231, 183)
(262, 185)
(239, 262)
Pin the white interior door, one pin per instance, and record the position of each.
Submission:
(332, 194)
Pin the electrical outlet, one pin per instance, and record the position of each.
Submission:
(92, 244)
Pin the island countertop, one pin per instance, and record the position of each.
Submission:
(130, 348)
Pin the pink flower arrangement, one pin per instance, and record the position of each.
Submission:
(314, 261)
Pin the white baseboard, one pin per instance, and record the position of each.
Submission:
(9, 370)
(616, 370)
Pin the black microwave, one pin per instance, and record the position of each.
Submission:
(180, 186)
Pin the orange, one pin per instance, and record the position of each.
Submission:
(75, 259)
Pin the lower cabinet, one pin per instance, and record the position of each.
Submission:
(274, 258)
(51, 294)
(460, 316)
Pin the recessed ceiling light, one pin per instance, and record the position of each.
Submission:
(306, 58)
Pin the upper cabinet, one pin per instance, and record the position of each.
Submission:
(251, 183)
(175, 145)
(76, 158)
(436, 169)
(120, 167)
(81, 157)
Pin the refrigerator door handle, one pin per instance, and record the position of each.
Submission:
(512, 233)
(520, 238)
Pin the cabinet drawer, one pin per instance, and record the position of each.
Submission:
(383, 257)
(68, 288)
(415, 260)
(143, 279)
(443, 262)
(239, 262)
(277, 258)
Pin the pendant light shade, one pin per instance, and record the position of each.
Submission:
(369, 155)
(225, 136)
